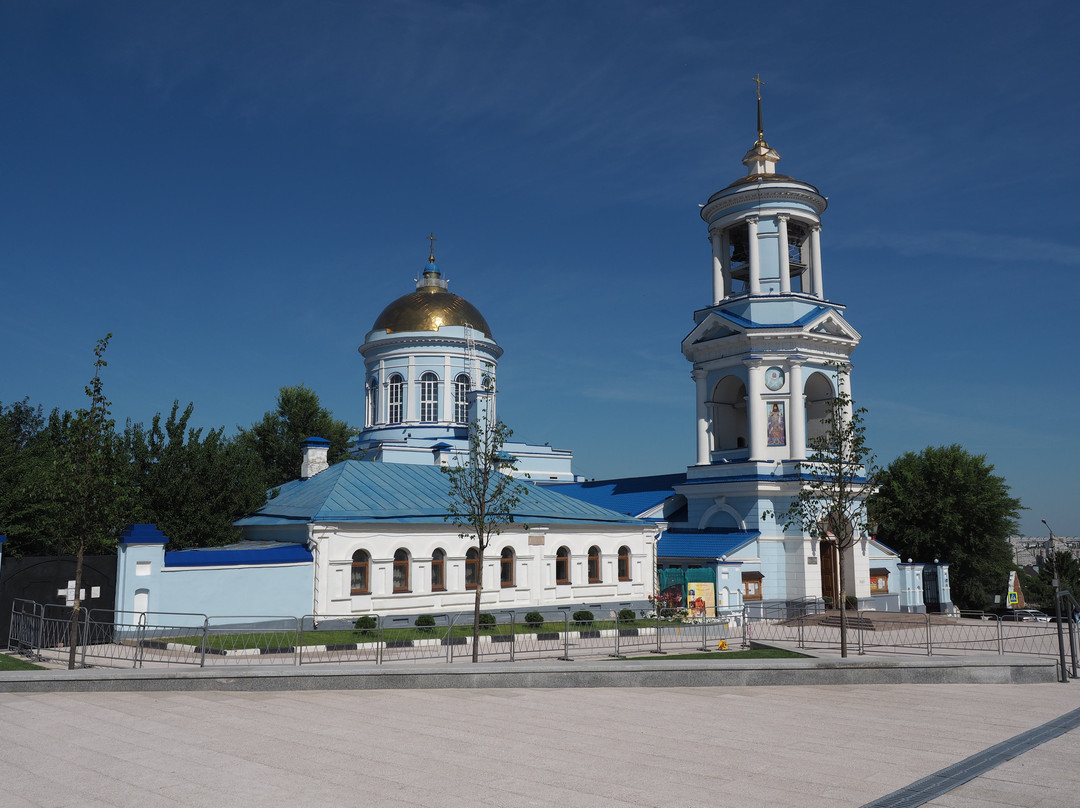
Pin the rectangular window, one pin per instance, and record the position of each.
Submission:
(461, 400)
(562, 568)
(438, 572)
(594, 566)
(429, 397)
(360, 578)
(393, 398)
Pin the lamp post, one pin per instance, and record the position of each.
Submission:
(1057, 603)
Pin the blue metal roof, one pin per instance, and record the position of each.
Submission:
(629, 495)
(702, 545)
(361, 491)
(241, 553)
(745, 323)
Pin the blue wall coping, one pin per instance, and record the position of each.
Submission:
(143, 534)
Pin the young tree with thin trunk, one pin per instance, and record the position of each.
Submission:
(98, 494)
(836, 479)
(483, 497)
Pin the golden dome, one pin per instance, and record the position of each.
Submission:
(429, 308)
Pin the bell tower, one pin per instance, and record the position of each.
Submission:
(766, 348)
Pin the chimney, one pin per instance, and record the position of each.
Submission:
(315, 451)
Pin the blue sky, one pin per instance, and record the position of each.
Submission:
(235, 190)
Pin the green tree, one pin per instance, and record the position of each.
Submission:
(192, 485)
(835, 480)
(277, 437)
(1039, 586)
(98, 496)
(947, 503)
(483, 497)
(26, 465)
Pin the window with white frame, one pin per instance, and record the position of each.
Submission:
(429, 397)
(394, 389)
(461, 398)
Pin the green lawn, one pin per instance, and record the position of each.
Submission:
(283, 639)
(11, 663)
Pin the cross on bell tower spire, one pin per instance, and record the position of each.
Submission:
(760, 120)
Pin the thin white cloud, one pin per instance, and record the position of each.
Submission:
(990, 247)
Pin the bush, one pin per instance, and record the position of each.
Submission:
(626, 615)
(425, 622)
(366, 623)
(487, 619)
(534, 619)
(583, 616)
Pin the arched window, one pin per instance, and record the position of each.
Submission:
(461, 398)
(372, 401)
(728, 404)
(819, 396)
(361, 573)
(594, 565)
(438, 571)
(429, 397)
(472, 568)
(394, 401)
(562, 566)
(506, 569)
(624, 563)
(401, 571)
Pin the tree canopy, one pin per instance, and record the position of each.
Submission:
(277, 437)
(948, 504)
(193, 486)
(192, 483)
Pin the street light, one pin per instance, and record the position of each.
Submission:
(1057, 603)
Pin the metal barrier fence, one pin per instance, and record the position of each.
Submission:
(924, 634)
(137, 639)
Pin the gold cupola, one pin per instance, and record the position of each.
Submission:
(430, 307)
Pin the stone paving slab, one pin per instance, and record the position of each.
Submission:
(818, 745)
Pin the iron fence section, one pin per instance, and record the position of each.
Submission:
(24, 630)
(135, 639)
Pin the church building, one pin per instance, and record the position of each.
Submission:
(770, 354)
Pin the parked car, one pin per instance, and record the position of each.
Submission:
(1026, 616)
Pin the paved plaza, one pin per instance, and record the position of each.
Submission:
(840, 745)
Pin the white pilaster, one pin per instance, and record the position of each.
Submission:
(700, 378)
(410, 395)
(754, 255)
(718, 284)
(446, 392)
(725, 260)
(755, 418)
(797, 415)
(815, 258)
(785, 268)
